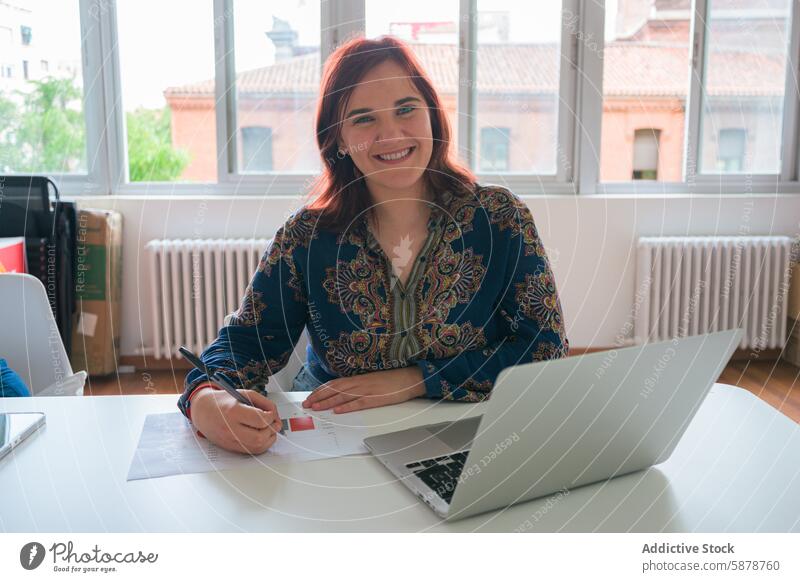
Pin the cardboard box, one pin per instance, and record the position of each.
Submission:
(98, 289)
(794, 292)
(791, 353)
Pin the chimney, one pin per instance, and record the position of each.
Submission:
(284, 39)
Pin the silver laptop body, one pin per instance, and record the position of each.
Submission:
(559, 424)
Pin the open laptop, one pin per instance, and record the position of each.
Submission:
(559, 424)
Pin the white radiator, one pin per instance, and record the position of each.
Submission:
(692, 285)
(194, 285)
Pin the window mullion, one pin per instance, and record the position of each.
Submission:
(694, 98)
(340, 21)
(99, 111)
(567, 92)
(91, 57)
(791, 106)
(115, 131)
(589, 31)
(327, 36)
(467, 81)
(225, 90)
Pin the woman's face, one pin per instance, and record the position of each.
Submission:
(386, 115)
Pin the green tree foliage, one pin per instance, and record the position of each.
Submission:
(45, 131)
(42, 130)
(8, 114)
(150, 153)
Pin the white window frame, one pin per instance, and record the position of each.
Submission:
(337, 21)
(695, 182)
(563, 181)
(579, 124)
(95, 180)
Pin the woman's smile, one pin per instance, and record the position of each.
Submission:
(396, 156)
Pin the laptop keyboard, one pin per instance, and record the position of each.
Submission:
(440, 473)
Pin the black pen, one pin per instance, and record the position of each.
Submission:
(216, 376)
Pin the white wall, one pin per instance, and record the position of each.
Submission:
(590, 242)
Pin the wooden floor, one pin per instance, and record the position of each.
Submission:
(774, 381)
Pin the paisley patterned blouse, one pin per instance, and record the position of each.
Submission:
(480, 297)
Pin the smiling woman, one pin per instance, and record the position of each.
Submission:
(391, 138)
(376, 100)
(388, 267)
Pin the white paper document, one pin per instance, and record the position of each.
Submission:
(169, 445)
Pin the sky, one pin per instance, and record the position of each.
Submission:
(164, 43)
(184, 54)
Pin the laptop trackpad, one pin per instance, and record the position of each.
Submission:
(457, 435)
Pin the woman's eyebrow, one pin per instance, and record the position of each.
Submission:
(367, 110)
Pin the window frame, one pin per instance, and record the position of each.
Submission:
(579, 113)
(25, 35)
(739, 132)
(709, 183)
(95, 180)
(563, 181)
(267, 139)
(490, 134)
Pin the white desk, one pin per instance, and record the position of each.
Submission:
(736, 469)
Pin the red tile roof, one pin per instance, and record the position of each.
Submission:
(724, 5)
(657, 70)
(631, 70)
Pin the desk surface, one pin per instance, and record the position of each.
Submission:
(735, 469)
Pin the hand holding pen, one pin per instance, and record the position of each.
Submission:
(216, 377)
(247, 423)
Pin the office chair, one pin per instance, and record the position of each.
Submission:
(30, 340)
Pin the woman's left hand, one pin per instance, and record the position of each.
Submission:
(368, 390)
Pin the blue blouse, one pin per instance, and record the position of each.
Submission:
(10, 382)
(480, 297)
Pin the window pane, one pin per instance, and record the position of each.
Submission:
(256, 149)
(645, 83)
(731, 148)
(42, 124)
(166, 52)
(431, 28)
(277, 84)
(518, 81)
(645, 154)
(742, 114)
(494, 144)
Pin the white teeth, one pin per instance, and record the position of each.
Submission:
(396, 156)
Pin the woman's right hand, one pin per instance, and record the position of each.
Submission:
(232, 425)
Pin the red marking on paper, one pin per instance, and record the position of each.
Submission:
(301, 423)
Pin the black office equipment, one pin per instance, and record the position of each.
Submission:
(31, 207)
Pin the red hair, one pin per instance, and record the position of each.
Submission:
(341, 192)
